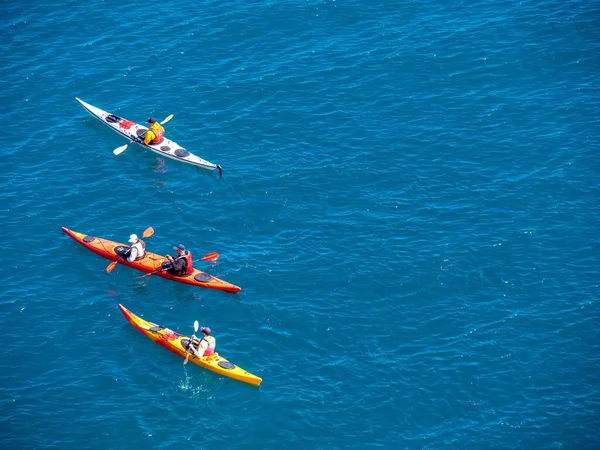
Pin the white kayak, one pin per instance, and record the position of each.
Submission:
(132, 130)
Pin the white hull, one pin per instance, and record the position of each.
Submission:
(131, 130)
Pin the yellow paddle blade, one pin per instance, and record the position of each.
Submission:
(148, 232)
(169, 117)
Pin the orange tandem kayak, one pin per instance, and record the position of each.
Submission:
(177, 343)
(149, 263)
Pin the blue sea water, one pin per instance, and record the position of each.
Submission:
(410, 203)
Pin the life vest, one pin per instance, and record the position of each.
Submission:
(188, 263)
(159, 134)
(188, 260)
(141, 248)
(212, 344)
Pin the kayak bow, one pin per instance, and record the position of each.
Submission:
(177, 343)
(132, 130)
(149, 263)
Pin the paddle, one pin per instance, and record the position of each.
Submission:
(187, 356)
(121, 149)
(208, 257)
(146, 234)
(169, 117)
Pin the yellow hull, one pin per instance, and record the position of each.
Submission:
(176, 342)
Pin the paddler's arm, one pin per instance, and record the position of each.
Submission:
(194, 344)
(132, 253)
(149, 137)
(201, 348)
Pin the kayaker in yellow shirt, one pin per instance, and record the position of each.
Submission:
(155, 134)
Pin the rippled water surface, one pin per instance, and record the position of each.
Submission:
(409, 203)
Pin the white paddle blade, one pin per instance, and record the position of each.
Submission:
(119, 150)
(196, 325)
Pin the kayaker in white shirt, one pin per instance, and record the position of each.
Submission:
(207, 344)
(137, 250)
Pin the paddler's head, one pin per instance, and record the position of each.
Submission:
(180, 249)
(133, 239)
(205, 331)
(151, 120)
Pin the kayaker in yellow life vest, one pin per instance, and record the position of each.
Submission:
(155, 134)
(206, 346)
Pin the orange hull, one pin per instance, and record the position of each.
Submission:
(150, 262)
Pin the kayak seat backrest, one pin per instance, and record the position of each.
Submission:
(111, 118)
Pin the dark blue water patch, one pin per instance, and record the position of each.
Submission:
(409, 204)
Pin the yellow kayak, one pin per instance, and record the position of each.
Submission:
(177, 343)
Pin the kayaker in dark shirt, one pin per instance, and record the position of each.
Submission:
(181, 264)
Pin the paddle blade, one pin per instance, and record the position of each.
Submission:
(196, 325)
(111, 266)
(119, 150)
(169, 117)
(144, 276)
(187, 358)
(148, 232)
(210, 256)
